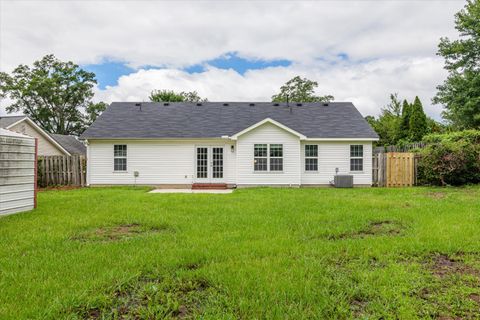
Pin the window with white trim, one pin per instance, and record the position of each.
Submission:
(268, 157)
(120, 157)
(311, 157)
(356, 157)
(276, 157)
(260, 154)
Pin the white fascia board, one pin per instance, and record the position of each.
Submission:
(341, 139)
(268, 120)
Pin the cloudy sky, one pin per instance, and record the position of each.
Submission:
(358, 51)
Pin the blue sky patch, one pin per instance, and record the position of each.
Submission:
(108, 72)
(241, 65)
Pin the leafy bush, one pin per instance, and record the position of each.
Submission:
(472, 136)
(451, 159)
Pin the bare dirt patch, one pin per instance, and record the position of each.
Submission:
(119, 232)
(436, 195)
(151, 298)
(446, 295)
(58, 188)
(357, 307)
(475, 297)
(374, 228)
(443, 265)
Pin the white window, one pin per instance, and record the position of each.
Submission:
(268, 157)
(311, 157)
(260, 153)
(276, 157)
(120, 157)
(356, 158)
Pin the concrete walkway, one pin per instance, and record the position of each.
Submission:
(220, 191)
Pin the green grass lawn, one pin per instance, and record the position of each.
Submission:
(121, 253)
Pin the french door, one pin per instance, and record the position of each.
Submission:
(209, 164)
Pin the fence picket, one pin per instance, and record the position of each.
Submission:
(61, 170)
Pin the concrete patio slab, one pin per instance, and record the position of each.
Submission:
(220, 191)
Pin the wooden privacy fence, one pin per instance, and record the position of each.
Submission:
(394, 169)
(61, 170)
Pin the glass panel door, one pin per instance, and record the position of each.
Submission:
(202, 163)
(217, 162)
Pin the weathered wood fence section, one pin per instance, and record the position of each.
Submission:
(394, 169)
(61, 171)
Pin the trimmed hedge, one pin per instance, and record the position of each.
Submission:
(451, 158)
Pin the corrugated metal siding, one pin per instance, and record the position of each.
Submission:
(158, 162)
(268, 133)
(17, 165)
(333, 155)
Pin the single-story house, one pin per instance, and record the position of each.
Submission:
(48, 144)
(230, 143)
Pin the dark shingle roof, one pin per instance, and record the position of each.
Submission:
(216, 119)
(69, 143)
(9, 120)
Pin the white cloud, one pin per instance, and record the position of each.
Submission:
(399, 36)
(367, 85)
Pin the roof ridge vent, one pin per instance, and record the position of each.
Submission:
(225, 104)
(276, 104)
(166, 104)
(137, 104)
(251, 104)
(199, 104)
(299, 104)
(325, 104)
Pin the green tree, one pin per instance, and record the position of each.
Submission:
(52, 93)
(93, 110)
(300, 90)
(172, 96)
(460, 93)
(404, 126)
(418, 121)
(388, 122)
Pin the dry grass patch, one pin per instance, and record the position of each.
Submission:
(119, 232)
(449, 294)
(150, 297)
(436, 195)
(374, 228)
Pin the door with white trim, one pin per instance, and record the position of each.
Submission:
(209, 164)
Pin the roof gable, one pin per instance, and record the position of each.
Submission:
(271, 121)
(14, 120)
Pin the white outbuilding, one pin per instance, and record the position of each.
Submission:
(17, 172)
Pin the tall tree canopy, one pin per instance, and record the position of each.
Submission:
(404, 128)
(52, 93)
(387, 124)
(460, 93)
(300, 90)
(172, 96)
(403, 122)
(418, 121)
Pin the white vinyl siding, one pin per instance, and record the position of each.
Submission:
(268, 134)
(157, 161)
(336, 154)
(173, 161)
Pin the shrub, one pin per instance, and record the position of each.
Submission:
(451, 159)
